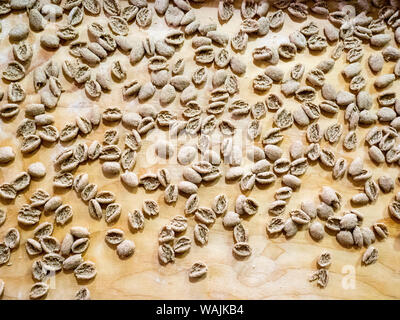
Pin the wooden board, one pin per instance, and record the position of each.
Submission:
(277, 269)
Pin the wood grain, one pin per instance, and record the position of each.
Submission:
(277, 269)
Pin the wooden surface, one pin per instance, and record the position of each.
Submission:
(277, 269)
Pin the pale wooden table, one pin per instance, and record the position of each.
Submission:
(277, 269)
